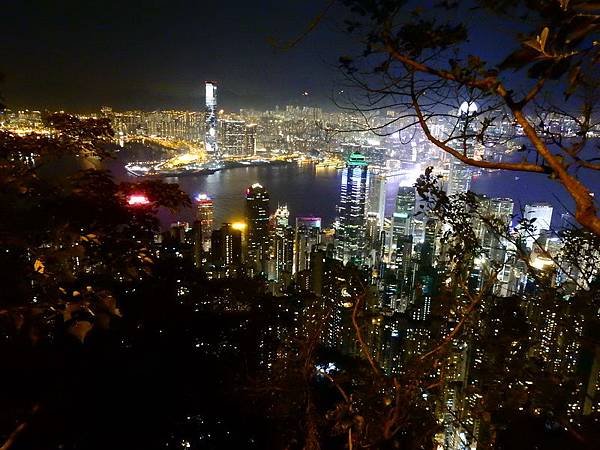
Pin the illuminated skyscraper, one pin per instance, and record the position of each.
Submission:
(376, 200)
(375, 216)
(402, 219)
(398, 275)
(250, 139)
(498, 210)
(204, 214)
(210, 139)
(257, 215)
(226, 246)
(405, 270)
(374, 239)
(428, 249)
(281, 216)
(460, 174)
(308, 235)
(542, 213)
(350, 236)
(283, 244)
(232, 137)
(459, 178)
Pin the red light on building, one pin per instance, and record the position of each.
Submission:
(137, 200)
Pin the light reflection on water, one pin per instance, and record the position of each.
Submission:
(311, 190)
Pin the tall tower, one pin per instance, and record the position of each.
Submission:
(460, 174)
(283, 244)
(376, 197)
(307, 236)
(250, 140)
(428, 249)
(232, 137)
(226, 247)
(210, 137)
(204, 214)
(500, 210)
(257, 215)
(542, 213)
(352, 211)
(403, 216)
(459, 178)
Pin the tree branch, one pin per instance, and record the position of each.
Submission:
(20, 429)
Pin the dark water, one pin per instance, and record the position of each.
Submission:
(304, 188)
(308, 190)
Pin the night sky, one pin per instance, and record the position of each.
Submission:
(79, 55)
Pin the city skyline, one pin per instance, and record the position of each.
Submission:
(290, 131)
(323, 224)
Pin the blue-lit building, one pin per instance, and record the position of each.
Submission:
(350, 235)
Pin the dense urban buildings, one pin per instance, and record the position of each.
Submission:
(402, 257)
(300, 225)
(388, 246)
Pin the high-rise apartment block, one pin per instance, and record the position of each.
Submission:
(350, 235)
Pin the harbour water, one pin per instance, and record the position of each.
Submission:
(311, 190)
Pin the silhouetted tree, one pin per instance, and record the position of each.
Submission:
(423, 61)
(71, 247)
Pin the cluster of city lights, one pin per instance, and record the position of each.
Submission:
(138, 200)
